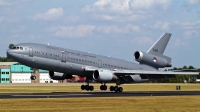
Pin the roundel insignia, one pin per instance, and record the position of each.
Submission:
(155, 59)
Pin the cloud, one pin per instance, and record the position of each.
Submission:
(122, 10)
(192, 2)
(125, 5)
(189, 33)
(71, 31)
(179, 43)
(142, 40)
(188, 25)
(161, 25)
(83, 30)
(119, 30)
(51, 14)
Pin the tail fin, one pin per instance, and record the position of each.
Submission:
(159, 46)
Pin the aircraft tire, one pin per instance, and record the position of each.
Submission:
(116, 89)
(105, 87)
(111, 88)
(101, 87)
(33, 77)
(91, 88)
(120, 89)
(83, 87)
(87, 87)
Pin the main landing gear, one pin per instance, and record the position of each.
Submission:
(116, 89)
(87, 87)
(112, 88)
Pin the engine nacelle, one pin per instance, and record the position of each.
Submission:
(103, 75)
(151, 59)
(59, 76)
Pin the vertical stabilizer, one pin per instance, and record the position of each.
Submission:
(160, 45)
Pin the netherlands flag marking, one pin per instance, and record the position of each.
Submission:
(155, 59)
(62, 51)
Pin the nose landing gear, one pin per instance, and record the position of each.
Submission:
(33, 77)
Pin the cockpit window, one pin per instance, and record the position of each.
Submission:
(18, 48)
(13, 47)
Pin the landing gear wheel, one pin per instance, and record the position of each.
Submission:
(33, 77)
(111, 88)
(116, 89)
(91, 88)
(87, 87)
(83, 87)
(103, 87)
(120, 89)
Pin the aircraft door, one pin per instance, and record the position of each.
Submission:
(63, 57)
(100, 63)
(31, 51)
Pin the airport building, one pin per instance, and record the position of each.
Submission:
(14, 72)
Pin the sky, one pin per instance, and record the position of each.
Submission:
(115, 28)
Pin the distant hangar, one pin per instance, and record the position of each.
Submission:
(14, 72)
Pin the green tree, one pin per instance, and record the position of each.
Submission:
(191, 67)
(185, 67)
(10, 46)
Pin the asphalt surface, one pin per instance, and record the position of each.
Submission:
(96, 94)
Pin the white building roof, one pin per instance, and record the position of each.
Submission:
(7, 63)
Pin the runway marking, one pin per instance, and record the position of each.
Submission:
(55, 95)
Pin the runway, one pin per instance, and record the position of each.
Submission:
(96, 94)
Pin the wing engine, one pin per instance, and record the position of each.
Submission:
(103, 75)
(59, 76)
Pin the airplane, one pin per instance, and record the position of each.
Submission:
(62, 63)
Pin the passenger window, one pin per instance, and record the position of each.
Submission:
(21, 48)
(17, 47)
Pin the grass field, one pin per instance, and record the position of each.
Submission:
(124, 104)
(45, 88)
(115, 104)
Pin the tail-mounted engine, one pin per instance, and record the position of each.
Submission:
(152, 60)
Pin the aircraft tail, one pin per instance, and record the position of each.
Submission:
(154, 56)
(159, 46)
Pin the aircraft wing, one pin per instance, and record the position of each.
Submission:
(132, 72)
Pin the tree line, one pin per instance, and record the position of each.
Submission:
(181, 78)
(7, 59)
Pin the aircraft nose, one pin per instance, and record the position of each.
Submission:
(9, 52)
